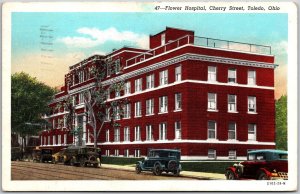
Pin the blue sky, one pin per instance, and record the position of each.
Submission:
(79, 35)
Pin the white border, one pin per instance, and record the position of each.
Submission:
(291, 184)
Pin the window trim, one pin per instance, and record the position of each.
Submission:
(178, 73)
(209, 107)
(255, 132)
(255, 105)
(235, 76)
(215, 130)
(235, 103)
(163, 129)
(235, 135)
(210, 73)
(178, 129)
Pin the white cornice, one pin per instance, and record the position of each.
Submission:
(190, 141)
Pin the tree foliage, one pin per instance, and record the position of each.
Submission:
(29, 101)
(281, 123)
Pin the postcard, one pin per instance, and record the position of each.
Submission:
(149, 96)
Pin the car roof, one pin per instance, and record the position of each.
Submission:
(269, 151)
(169, 150)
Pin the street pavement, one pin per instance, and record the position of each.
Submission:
(191, 174)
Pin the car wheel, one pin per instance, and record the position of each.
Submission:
(72, 162)
(157, 170)
(82, 162)
(138, 169)
(176, 172)
(263, 176)
(230, 175)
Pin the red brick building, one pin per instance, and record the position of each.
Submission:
(210, 98)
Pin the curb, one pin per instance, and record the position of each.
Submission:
(183, 173)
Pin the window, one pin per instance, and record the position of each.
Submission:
(107, 135)
(178, 73)
(126, 153)
(149, 133)
(252, 104)
(212, 130)
(232, 131)
(54, 123)
(163, 77)
(138, 109)
(107, 152)
(107, 111)
(116, 152)
(162, 131)
(54, 140)
(117, 135)
(48, 140)
(138, 85)
(137, 133)
(150, 107)
(212, 73)
(65, 121)
(44, 141)
(108, 94)
(41, 140)
(126, 134)
(232, 75)
(232, 154)
(212, 101)
(127, 89)
(117, 93)
(127, 111)
(212, 154)
(231, 103)
(117, 66)
(178, 130)
(163, 104)
(178, 101)
(163, 39)
(251, 77)
(150, 81)
(65, 139)
(137, 153)
(252, 132)
(59, 139)
(108, 69)
(117, 112)
(81, 100)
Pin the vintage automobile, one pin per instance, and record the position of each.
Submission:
(16, 154)
(261, 165)
(82, 156)
(160, 160)
(58, 157)
(42, 154)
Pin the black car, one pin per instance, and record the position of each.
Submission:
(16, 154)
(42, 155)
(160, 160)
(82, 156)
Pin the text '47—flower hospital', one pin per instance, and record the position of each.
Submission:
(209, 98)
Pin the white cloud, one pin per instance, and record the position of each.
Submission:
(280, 48)
(98, 37)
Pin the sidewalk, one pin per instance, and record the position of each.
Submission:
(202, 175)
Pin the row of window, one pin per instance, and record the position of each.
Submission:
(163, 107)
(138, 86)
(46, 141)
(137, 153)
(232, 103)
(211, 131)
(149, 133)
(232, 75)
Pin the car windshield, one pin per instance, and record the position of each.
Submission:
(283, 156)
(46, 151)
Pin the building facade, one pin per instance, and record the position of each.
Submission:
(212, 99)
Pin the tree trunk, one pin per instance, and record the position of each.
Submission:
(95, 138)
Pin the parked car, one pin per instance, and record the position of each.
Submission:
(42, 154)
(160, 160)
(82, 156)
(58, 157)
(16, 154)
(261, 165)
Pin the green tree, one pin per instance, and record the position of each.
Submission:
(29, 101)
(281, 123)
